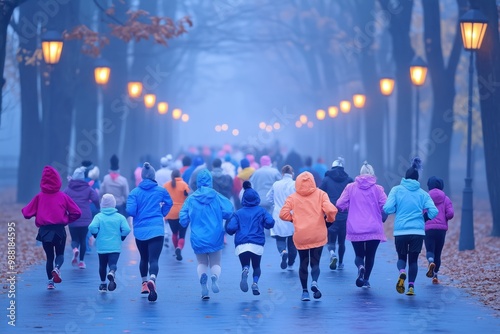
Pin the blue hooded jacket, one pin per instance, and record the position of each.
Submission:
(205, 209)
(250, 221)
(110, 227)
(408, 201)
(148, 204)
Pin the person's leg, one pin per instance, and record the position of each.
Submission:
(412, 267)
(103, 266)
(414, 249)
(59, 245)
(430, 245)
(215, 259)
(370, 251)
(359, 252)
(280, 243)
(48, 248)
(173, 223)
(341, 235)
(113, 261)
(315, 259)
(182, 235)
(82, 238)
(304, 266)
(292, 251)
(245, 258)
(73, 231)
(155, 245)
(256, 273)
(440, 239)
(142, 247)
(401, 243)
(202, 273)
(332, 239)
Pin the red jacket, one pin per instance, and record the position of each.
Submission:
(51, 206)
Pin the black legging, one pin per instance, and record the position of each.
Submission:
(58, 245)
(312, 255)
(434, 243)
(107, 259)
(150, 251)
(365, 255)
(284, 243)
(337, 232)
(79, 238)
(412, 265)
(245, 259)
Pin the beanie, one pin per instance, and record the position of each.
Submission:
(244, 163)
(148, 172)
(339, 162)
(108, 201)
(165, 161)
(79, 173)
(93, 173)
(435, 182)
(367, 169)
(114, 163)
(265, 160)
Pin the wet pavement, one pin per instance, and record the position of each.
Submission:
(76, 306)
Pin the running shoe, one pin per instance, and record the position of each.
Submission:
(333, 262)
(435, 280)
(152, 291)
(430, 270)
(340, 266)
(204, 288)
(411, 291)
(215, 286)
(255, 289)
(314, 288)
(361, 277)
(243, 282)
(305, 296)
(366, 284)
(50, 285)
(284, 259)
(178, 254)
(103, 288)
(56, 275)
(400, 285)
(74, 261)
(112, 283)
(145, 289)
(82, 265)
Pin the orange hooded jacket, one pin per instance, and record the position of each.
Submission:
(306, 209)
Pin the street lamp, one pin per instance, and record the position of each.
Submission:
(176, 113)
(149, 100)
(359, 100)
(185, 118)
(333, 111)
(303, 119)
(101, 72)
(320, 114)
(418, 73)
(473, 25)
(386, 86)
(345, 106)
(52, 45)
(134, 89)
(162, 108)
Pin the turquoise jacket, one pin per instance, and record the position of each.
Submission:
(408, 201)
(110, 227)
(204, 210)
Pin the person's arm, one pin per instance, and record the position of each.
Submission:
(103, 189)
(167, 202)
(184, 213)
(124, 227)
(126, 190)
(94, 197)
(73, 210)
(226, 206)
(390, 205)
(233, 225)
(382, 199)
(270, 195)
(95, 226)
(344, 200)
(432, 211)
(286, 210)
(131, 206)
(328, 208)
(324, 184)
(449, 211)
(31, 209)
(268, 220)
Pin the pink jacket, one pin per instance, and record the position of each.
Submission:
(51, 206)
(446, 212)
(364, 199)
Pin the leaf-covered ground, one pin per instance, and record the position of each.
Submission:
(476, 271)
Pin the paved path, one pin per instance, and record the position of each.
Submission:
(76, 306)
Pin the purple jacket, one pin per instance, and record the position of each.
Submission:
(51, 206)
(445, 208)
(364, 199)
(82, 193)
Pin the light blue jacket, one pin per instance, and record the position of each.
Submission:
(148, 204)
(204, 210)
(110, 227)
(408, 201)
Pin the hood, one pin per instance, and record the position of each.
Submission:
(108, 211)
(204, 195)
(365, 181)
(337, 174)
(204, 179)
(410, 184)
(437, 195)
(51, 180)
(147, 184)
(250, 198)
(78, 185)
(217, 171)
(305, 184)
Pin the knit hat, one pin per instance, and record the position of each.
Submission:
(227, 157)
(108, 201)
(265, 160)
(114, 163)
(339, 162)
(216, 163)
(148, 172)
(367, 169)
(412, 172)
(435, 182)
(244, 163)
(88, 166)
(93, 173)
(165, 161)
(79, 173)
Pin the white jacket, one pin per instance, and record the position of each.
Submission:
(277, 194)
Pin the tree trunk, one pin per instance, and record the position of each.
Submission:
(6, 10)
(488, 70)
(436, 149)
(402, 53)
(30, 167)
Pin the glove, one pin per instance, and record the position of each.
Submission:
(426, 216)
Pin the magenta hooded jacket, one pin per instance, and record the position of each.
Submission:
(364, 199)
(445, 208)
(51, 206)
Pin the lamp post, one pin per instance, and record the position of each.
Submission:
(134, 89)
(418, 73)
(320, 116)
(386, 88)
(102, 72)
(52, 45)
(473, 25)
(359, 101)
